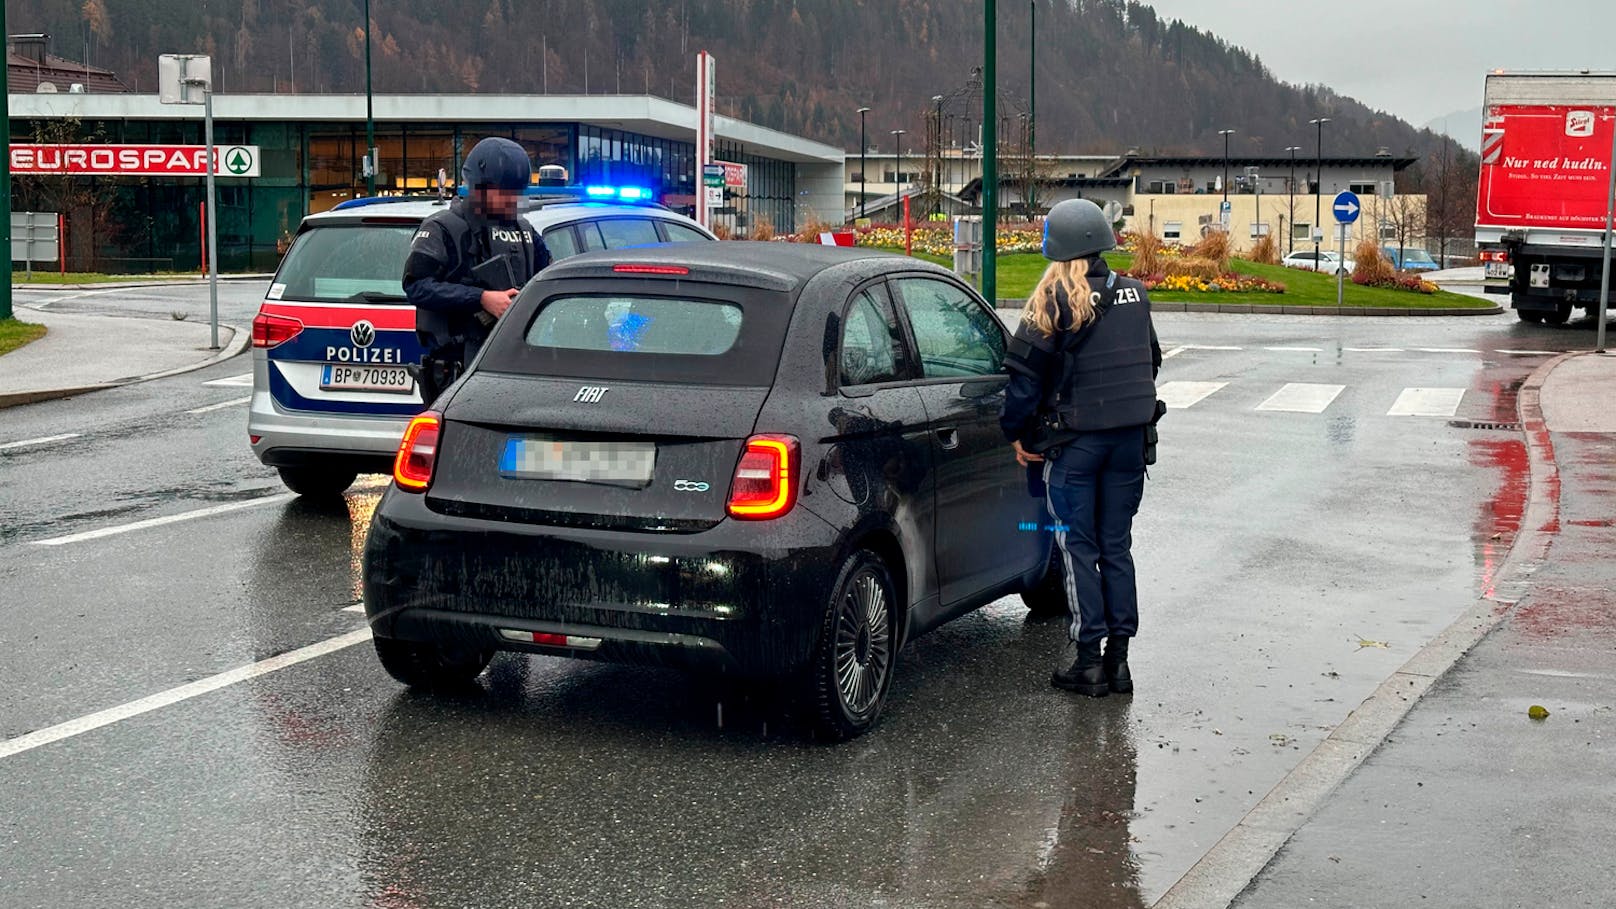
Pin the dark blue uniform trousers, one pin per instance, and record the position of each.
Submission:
(1094, 487)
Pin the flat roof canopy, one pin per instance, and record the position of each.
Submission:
(644, 114)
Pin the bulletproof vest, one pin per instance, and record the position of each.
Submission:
(472, 241)
(1110, 377)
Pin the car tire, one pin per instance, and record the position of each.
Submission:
(1529, 315)
(318, 482)
(430, 666)
(850, 671)
(1560, 316)
(1047, 600)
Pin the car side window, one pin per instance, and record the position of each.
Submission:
(623, 232)
(561, 242)
(591, 235)
(679, 233)
(954, 334)
(871, 345)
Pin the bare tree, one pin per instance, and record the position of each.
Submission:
(1450, 188)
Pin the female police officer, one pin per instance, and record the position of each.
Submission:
(1082, 391)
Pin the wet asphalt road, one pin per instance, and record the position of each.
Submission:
(1289, 562)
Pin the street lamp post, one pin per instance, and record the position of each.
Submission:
(1225, 133)
(370, 116)
(1293, 149)
(990, 152)
(5, 179)
(1318, 191)
(862, 166)
(897, 170)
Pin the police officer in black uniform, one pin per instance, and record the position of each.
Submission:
(467, 263)
(1082, 394)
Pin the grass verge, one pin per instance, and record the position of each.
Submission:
(14, 334)
(19, 278)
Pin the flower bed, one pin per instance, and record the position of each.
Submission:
(1400, 281)
(1224, 284)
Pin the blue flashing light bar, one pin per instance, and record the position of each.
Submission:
(592, 192)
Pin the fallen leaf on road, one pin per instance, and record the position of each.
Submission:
(1364, 642)
(1538, 712)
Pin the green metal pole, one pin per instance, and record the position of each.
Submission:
(1032, 109)
(990, 162)
(5, 177)
(370, 115)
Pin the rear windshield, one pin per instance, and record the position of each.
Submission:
(637, 326)
(341, 263)
(650, 331)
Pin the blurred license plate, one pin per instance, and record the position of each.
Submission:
(538, 458)
(395, 379)
(1497, 269)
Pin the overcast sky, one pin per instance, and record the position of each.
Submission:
(1418, 59)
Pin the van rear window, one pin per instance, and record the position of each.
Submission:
(343, 263)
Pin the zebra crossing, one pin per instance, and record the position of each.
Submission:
(1313, 398)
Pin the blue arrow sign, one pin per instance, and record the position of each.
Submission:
(1346, 208)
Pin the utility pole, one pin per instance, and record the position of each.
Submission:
(1032, 108)
(1225, 133)
(862, 167)
(1318, 191)
(897, 171)
(990, 155)
(5, 175)
(370, 117)
(1293, 149)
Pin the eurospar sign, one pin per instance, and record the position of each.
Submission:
(134, 160)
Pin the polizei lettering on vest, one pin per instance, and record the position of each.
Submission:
(1128, 295)
(363, 354)
(501, 235)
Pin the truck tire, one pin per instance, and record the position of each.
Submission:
(1529, 315)
(1560, 316)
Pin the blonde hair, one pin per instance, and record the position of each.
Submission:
(1043, 307)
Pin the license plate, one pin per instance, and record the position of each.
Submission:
(541, 458)
(393, 379)
(1497, 269)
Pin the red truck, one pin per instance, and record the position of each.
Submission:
(1545, 177)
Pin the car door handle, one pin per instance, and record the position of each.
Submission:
(949, 438)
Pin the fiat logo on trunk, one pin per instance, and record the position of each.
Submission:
(589, 394)
(363, 334)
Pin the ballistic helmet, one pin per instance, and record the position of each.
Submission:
(497, 163)
(1076, 229)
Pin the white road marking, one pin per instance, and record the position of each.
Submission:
(72, 296)
(1427, 402)
(100, 718)
(1295, 349)
(1373, 349)
(357, 607)
(1181, 395)
(1209, 347)
(1302, 397)
(233, 402)
(1173, 353)
(1529, 353)
(1446, 350)
(42, 440)
(166, 519)
(242, 381)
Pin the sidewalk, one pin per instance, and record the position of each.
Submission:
(138, 281)
(1469, 802)
(86, 353)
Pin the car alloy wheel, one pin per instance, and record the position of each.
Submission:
(852, 665)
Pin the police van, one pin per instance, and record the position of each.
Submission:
(335, 334)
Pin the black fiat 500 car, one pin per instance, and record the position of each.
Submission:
(762, 459)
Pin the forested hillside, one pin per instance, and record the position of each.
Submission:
(1111, 74)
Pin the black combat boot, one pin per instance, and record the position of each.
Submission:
(1116, 665)
(1081, 670)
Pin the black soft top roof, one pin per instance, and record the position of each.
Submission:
(773, 266)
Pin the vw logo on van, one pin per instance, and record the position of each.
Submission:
(363, 334)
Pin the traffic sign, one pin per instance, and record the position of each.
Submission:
(1346, 207)
(1225, 210)
(712, 175)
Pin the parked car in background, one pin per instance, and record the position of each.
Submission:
(1409, 258)
(1327, 261)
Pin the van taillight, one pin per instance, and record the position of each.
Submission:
(765, 482)
(1495, 255)
(273, 331)
(418, 452)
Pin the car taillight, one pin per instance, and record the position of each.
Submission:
(272, 331)
(418, 452)
(1495, 255)
(765, 483)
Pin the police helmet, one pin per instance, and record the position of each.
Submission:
(497, 163)
(1076, 229)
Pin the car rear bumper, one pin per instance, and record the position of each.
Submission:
(292, 438)
(740, 597)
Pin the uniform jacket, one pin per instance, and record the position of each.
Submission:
(1111, 382)
(438, 278)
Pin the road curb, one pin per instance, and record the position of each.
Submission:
(1280, 309)
(1231, 866)
(239, 339)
